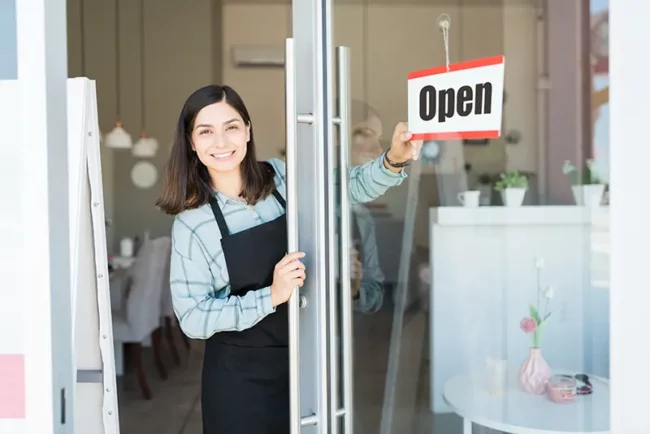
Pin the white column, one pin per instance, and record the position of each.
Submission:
(42, 74)
(630, 215)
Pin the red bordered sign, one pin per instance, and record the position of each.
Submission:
(465, 102)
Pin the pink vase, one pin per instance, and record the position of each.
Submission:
(534, 373)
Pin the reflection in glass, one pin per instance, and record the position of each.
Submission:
(458, 282)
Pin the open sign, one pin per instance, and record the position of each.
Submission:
(465, 102)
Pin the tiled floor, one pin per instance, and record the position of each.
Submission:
(175, 407)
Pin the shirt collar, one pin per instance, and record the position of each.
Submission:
(224, 200)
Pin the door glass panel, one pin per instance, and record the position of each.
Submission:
(440, 328)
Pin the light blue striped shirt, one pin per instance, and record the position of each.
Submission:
(198, 274)
(371, 292)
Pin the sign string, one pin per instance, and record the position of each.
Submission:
(444, 21)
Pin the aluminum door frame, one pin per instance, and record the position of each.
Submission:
(306, 138)
(317, 405)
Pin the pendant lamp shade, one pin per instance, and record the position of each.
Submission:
(145, 147)
(118, 138)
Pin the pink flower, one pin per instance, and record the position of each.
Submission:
(528, 325)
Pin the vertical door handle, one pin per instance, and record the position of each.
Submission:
(344, 409)
(292, 232)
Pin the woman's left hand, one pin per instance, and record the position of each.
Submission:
(402, 147)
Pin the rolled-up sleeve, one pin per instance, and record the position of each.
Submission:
(371, 297)
(371, 180)
(203, 304)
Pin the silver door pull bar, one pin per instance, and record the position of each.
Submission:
(344, 408)
(305, 119)
(309, 420)
(292, 233)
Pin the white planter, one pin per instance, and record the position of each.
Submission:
(513, 196)
(590, 195)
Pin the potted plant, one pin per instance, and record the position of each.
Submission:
(535, 373)
(512, 186)
(587, 187)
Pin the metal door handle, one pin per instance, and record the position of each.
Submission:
(297, 300)
(343, 121)
(292, 231)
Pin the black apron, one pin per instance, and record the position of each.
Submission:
(245, 380)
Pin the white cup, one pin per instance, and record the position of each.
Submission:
(469, 199)
(496, 376)
(126, 247)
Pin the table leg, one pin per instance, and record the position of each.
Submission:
(467, 426)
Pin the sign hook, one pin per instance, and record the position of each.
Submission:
(444, 22)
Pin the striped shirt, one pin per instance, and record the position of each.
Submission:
(198, 274)
(371, 292)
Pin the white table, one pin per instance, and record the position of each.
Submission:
(517, 412)
(500, 245)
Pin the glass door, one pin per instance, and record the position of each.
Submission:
(452, 304)
(309, 223)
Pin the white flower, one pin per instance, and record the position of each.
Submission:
(549, 293)
(567, 167)
(539, 262)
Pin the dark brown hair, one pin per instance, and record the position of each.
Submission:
(187, 183)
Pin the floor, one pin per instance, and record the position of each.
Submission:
(175, 407)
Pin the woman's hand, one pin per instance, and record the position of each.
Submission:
(402, 147)
(356, 271)
(288, 274)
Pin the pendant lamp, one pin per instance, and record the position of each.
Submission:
(146, 146)
(118, 138)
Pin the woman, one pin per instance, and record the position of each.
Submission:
(230, 276)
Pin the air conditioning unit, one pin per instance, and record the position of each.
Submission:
(258, 55)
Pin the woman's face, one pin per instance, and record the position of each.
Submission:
(220, 137)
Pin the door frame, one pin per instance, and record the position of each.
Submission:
(309, 34)
(46, 354)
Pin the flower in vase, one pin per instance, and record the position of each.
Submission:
(549, 293)
(535, 373)
(538, 312)
(528, 325)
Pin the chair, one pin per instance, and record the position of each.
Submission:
(140, 318)
(167, 308)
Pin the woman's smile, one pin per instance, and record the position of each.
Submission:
(223, 155)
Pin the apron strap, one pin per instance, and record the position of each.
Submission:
(221, 220)
(279, 198)
(218, 216)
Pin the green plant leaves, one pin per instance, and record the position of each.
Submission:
(511, 180)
